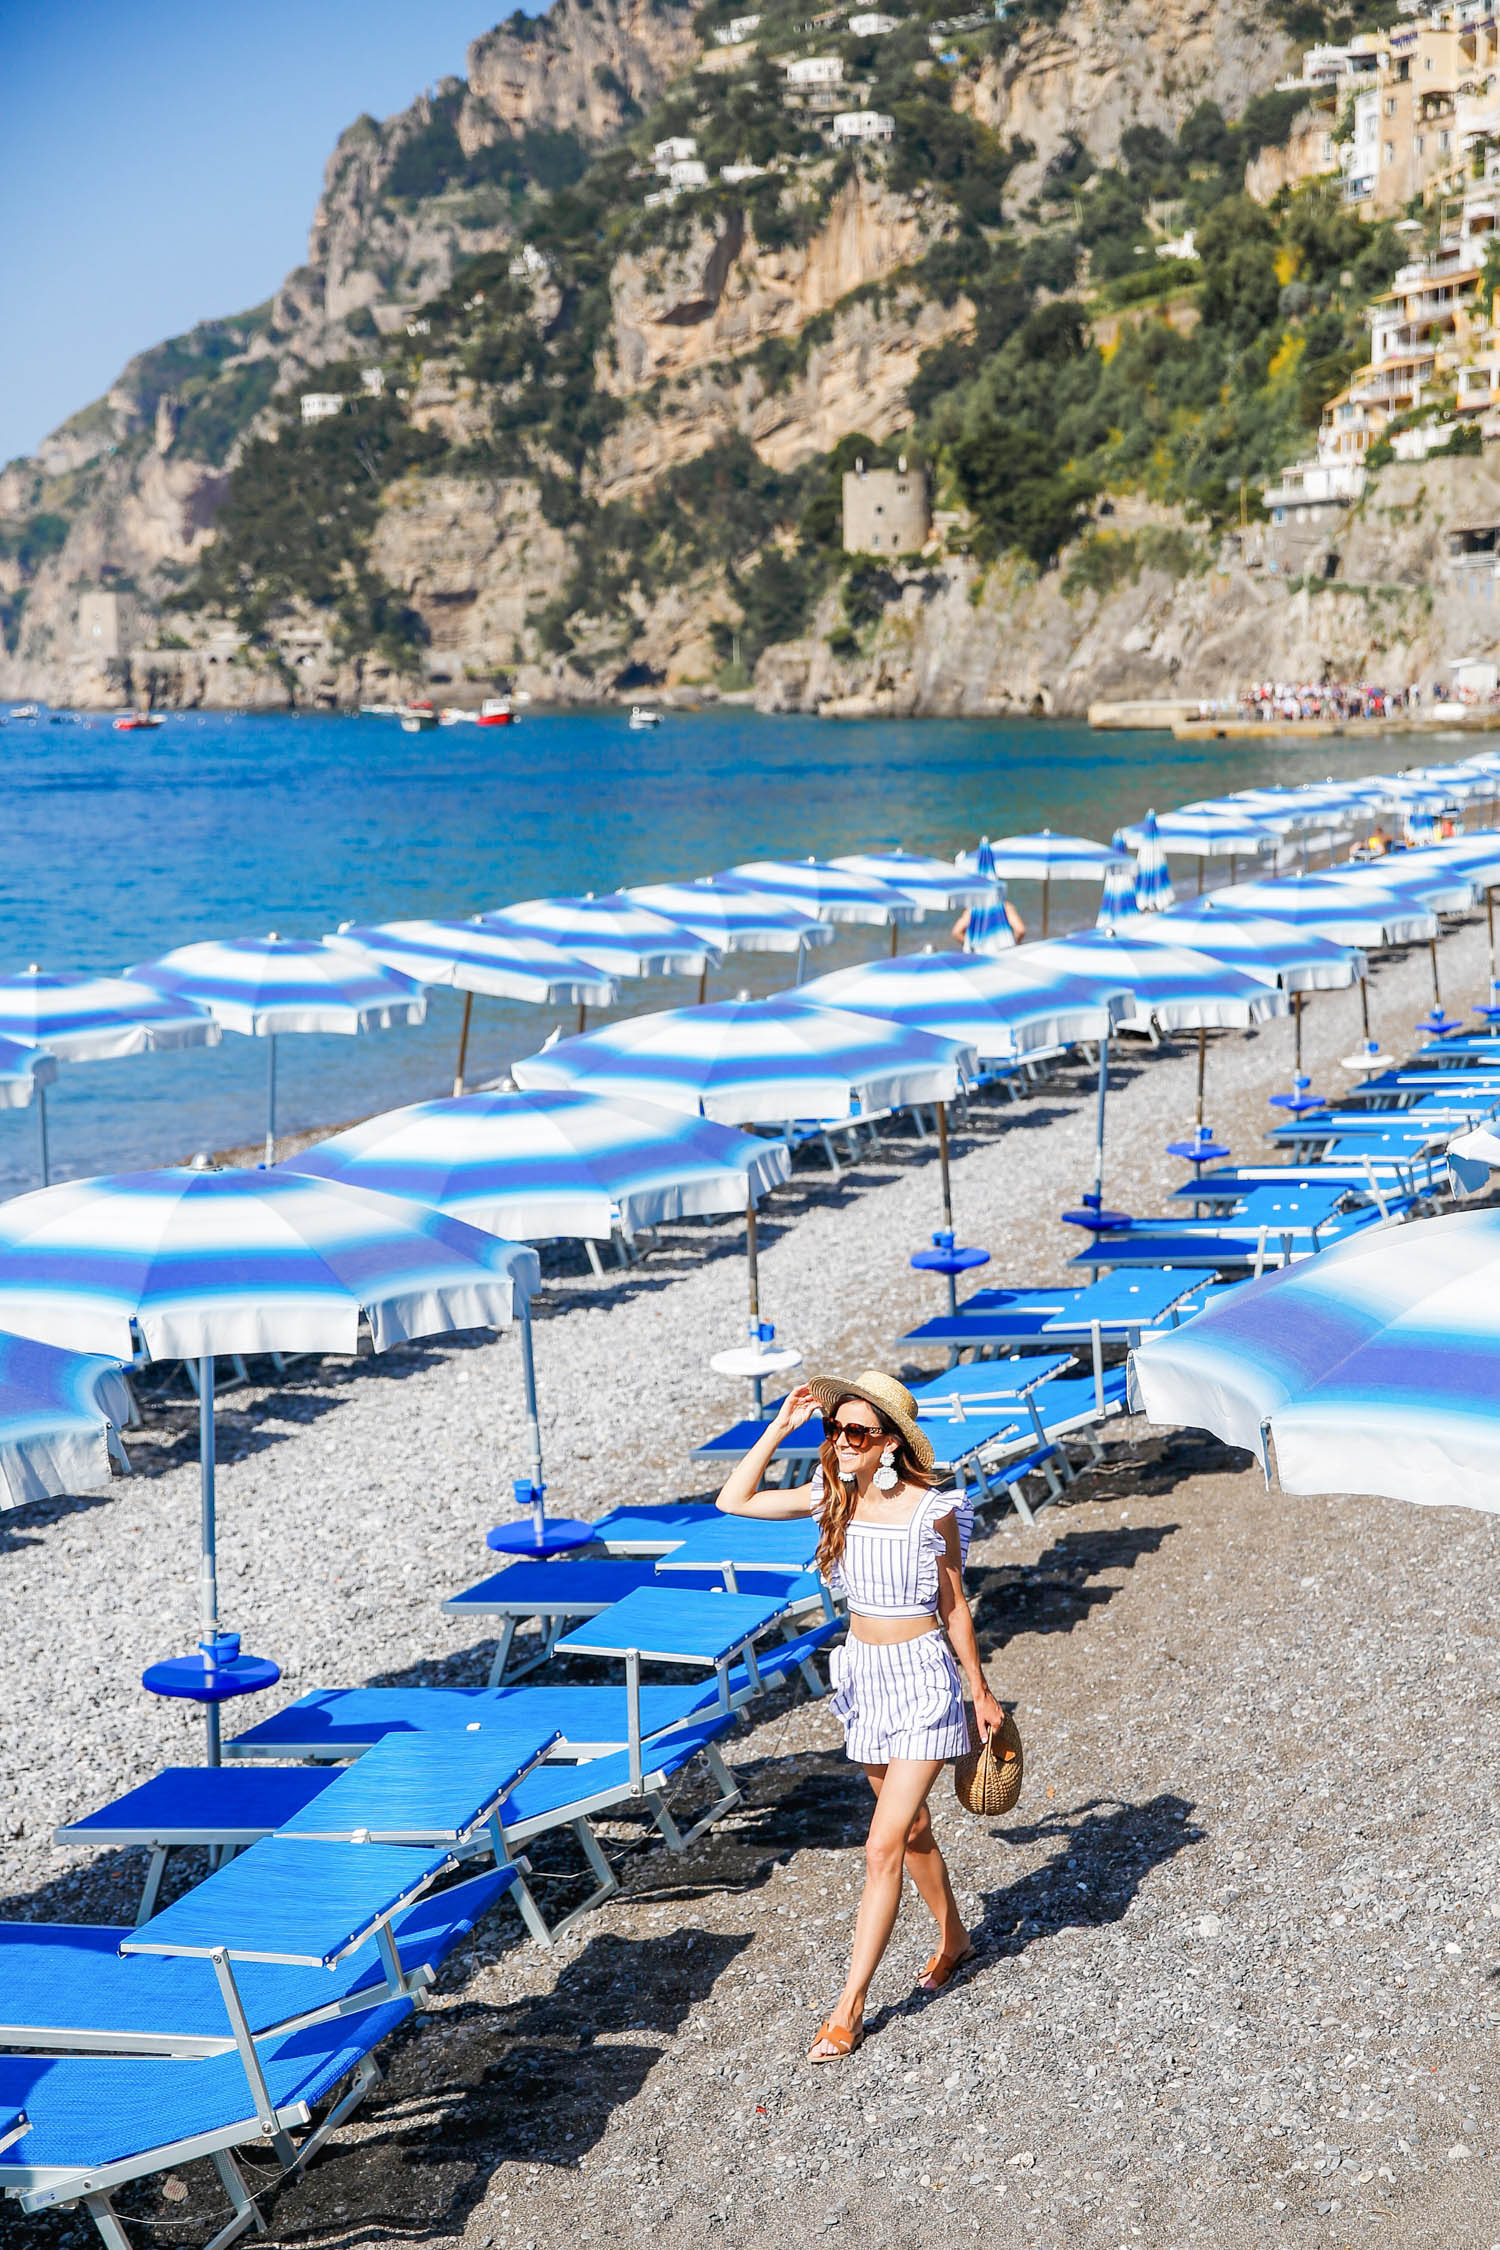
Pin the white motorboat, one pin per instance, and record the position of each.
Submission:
(643, 718)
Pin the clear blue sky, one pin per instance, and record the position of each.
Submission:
(160, 163)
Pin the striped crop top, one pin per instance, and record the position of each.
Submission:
(891, 1569)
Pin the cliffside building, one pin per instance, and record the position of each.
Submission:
(321, 406)
(871, 26)
(108, 624)
(886, 511)
(808, 71)
(863, 125)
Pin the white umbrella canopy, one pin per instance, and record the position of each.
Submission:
(934, 886)
(733, 919)
(745, 1062)
(1275, 952)
(1173, 986)
(1349, 913)
(996, 1004)
(833, 894)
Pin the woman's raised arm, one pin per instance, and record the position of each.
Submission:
(742, 1494)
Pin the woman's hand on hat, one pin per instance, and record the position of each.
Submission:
(797, 1407)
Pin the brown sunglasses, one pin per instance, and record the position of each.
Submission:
(858, 1434)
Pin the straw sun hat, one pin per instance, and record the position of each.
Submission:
(888, 1397)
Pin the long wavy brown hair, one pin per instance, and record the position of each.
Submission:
(839, 1498)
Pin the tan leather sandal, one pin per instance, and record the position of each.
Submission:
(942, 1968)
(842, 2040)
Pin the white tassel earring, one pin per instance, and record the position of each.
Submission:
(885, 1478)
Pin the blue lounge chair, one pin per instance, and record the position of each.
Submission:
(97, 2123)
(65, 1985)
(433, 1792)
(559, 1593)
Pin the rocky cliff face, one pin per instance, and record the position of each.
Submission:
(789, 338)
(1103, 66)
(964, 643)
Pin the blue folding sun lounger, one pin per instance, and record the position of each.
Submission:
(427, 1792)
(1119, 1306)
(338, 1724)
(96, 2123)
(559, 1593)
(650, 1530)
(65, 1985)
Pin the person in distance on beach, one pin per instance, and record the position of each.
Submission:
(894, 1545)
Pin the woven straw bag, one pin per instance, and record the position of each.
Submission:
(987, 1780)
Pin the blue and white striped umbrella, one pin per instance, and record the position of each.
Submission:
(1472, 1156)
(748, 1062)
(1044, 857)
(1275, 952)
(1118, 901)
(476, 957)
(733, 920)
(1370, 1368)
(934, 886)
(60, 1418)
(188, 1264)
(1348, 913)
(195, 1262)
(24, 1071)
(1153, 885)
(1203, 835)
(1285, 811)
(262, 987)
(831, 893)
(1176, 988)
(1409, 875)
(612, 931)
(997, 1007)
(96, 1018)
(982, 859)
(551, 1162)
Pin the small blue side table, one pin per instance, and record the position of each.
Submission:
(213, 1674)
(1092, 1215)
(950, 1258)
(1301, 1099)
(543, 1535)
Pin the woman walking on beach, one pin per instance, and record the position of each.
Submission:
(895, 1547)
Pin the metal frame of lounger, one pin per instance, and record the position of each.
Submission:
(42, 2187)
(619, 1793)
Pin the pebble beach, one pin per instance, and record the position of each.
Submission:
(1238, 1977)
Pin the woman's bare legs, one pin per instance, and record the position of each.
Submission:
(900, 1832)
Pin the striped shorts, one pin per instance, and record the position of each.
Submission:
(899, 1699)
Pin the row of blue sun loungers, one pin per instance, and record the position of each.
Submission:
(359, 1836)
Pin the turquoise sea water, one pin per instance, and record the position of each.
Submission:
(119, 846)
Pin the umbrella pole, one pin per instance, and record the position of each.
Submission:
(463, 1045)
(1437, 998)
(1200, 875)
(208, 1564)
(801, 961)
(1364, 1007)
(271, 1098)
(1297, 1034)
(1202, 1066)
(533, 1431)
(582, 1012)
(1489, 903)
(1099, 1130)
(41, 1127)
(942, 1136)
(752, 1275)
(1046, 900)
(703, 982)
(894, 937)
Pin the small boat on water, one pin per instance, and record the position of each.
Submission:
(496, 711)
(643, 718)
(380, 710)
(25, 711)
(136, 722)
(418, 716)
